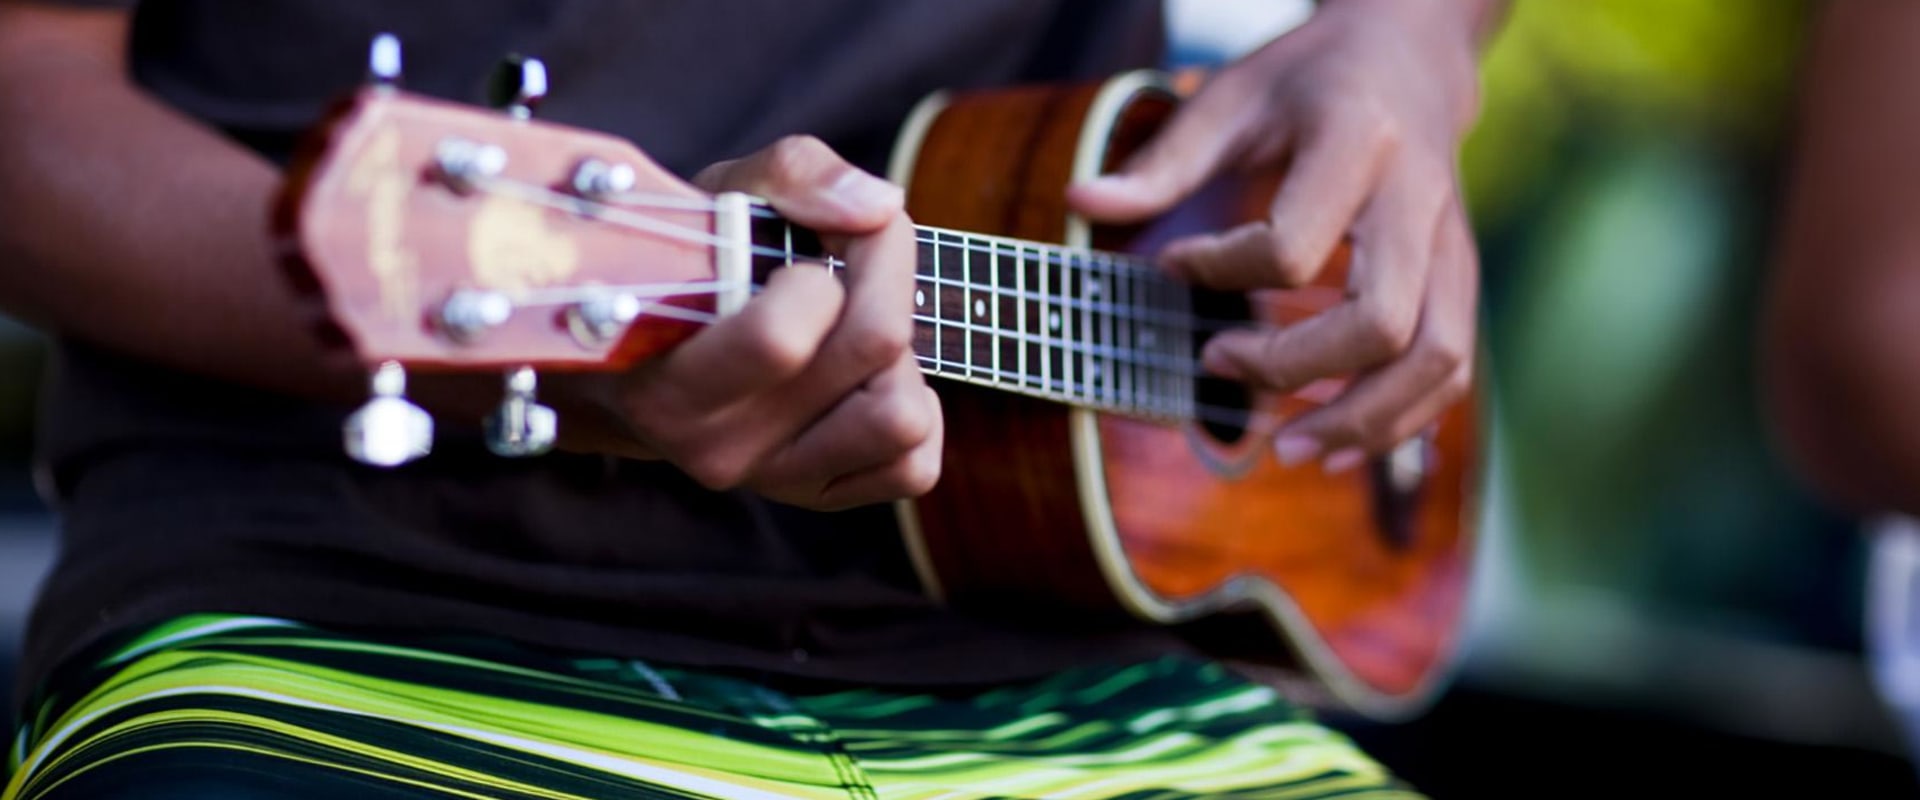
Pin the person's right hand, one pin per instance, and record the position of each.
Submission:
(811, 394)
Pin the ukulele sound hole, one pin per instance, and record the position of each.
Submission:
(1225, 406)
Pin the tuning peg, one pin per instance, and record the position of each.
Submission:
(389, 431)
(383, 60)
(601, 317)
(519, 84)
(468, 313)
(521, 427)
(595, 179)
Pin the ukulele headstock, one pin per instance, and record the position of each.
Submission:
(445, 237)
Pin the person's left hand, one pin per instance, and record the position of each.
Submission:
(1365, 105)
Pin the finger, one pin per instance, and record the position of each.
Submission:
(874, 426)
(872, 333)
(1177, 161)
(875, 328)
(811, 185)
(1335, 169)
(1388, 280)
(911, 475)
(1385, 408)
(770, 342)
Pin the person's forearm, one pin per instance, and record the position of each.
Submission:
(1486, 17)
(132, 227)
(1481, 18)
(1840, 356)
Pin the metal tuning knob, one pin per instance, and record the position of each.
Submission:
(469, 313)
(383, 60)
(602, 317)
(518, 85)
(597, 180)
(389, 430)
(521, 427)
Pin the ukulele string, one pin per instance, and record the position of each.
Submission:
(657, 293)
(623, 217)
(616, 215)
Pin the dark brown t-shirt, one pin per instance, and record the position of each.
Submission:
(181, 495)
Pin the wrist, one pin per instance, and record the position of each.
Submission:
(1470, 23)
(1444, 37)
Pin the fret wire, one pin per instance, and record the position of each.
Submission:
(1111, 330)
(993, 279)
(1146, 339)
(1089, 368)
(1046, 328)
(1129, 338)
(1020, 311)
(1074, 371)
(1168, 343)
(966, 303)
(1183, 347)
(937, 300)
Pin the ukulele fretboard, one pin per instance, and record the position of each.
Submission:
(1088, 328)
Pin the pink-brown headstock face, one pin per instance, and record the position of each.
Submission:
(449, 237)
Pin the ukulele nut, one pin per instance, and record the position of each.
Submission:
(462, 162)
(595, 179)
(602, 317)
(469, 313)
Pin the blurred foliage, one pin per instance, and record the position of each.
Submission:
(1558, 71)
(1623, 179)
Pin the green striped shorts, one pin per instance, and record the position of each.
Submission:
(246, 707)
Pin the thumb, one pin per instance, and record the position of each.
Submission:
(1172, 165)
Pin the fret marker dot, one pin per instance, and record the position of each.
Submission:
(1093, 289)
(920, 298)
(980, 308)
(1053, 321)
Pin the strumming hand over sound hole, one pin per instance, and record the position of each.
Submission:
(1227, 404)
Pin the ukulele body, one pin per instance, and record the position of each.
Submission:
(1344, 589)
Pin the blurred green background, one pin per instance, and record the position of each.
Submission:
(1657, 596)
(1624, 181)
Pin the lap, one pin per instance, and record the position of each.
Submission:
(217, 707)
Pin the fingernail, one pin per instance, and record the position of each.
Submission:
(1344, 460)
(866, 194)
(1214, 360)
(1107, 183)
(1294, 449)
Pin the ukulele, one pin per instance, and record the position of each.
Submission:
(1090, 468)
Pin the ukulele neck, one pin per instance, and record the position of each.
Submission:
(1087, 328)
